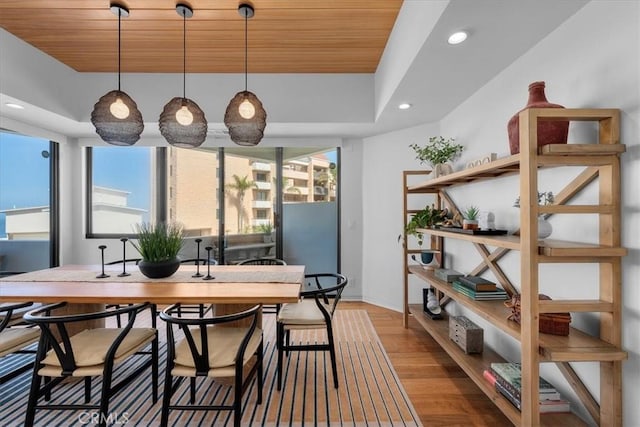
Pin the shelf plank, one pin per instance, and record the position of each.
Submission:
(582, 149)
(504, 241)
(547, 247)
(576, 209)
(562, 248)
(577, 346)
(474, 364)
(562, 306)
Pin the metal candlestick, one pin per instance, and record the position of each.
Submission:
(102, 276)
(208, 276)
(124, 258)
(198, 274)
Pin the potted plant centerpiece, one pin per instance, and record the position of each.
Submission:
(158, 245)
(470, 218)
(438, 152)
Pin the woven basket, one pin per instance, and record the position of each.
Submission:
(550, 323)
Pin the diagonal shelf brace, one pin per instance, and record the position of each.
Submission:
(495, 268)
(581, 390)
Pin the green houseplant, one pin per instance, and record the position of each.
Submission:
(158, 245)
(437, 153)
(425, 218)
(470, 218)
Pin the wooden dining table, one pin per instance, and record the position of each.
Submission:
(231, 286)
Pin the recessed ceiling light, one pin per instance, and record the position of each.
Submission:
(457, 37)
(404, 106)
(14, 105)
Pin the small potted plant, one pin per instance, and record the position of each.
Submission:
(438, 152)
(158, 245)
(470, 218)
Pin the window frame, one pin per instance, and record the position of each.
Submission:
(158, 189)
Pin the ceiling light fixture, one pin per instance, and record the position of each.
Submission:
(182, 122)
(116, 116)
(457, 37)
(14, 105)
(245, 117)
(404, 106)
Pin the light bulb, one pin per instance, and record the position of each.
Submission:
(119, 109)
(184, 116)
(246, 109)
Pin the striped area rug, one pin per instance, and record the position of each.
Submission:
(369, 392)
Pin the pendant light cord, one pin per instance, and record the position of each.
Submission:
(119, 24)
(246, 14)
(184, 54)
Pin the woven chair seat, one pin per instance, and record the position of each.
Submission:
(14, 339)
(90, 349)
(223, 344)
(304, 313)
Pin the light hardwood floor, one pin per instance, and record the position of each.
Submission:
(440, 391)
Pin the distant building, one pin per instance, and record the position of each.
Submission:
(193, 189)
(110, 215)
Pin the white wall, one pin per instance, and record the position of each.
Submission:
(585, 64)
(384, 158)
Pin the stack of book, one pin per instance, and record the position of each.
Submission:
(506, 378)
(479, 288)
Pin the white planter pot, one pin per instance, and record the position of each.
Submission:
(544, 228)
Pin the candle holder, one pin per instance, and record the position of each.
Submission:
(124, 258)
(208, 276)
(198, 274)
(102, 276)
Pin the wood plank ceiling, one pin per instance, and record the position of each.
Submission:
(285, 36)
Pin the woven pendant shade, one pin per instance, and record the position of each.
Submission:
(191, 132)
(116, 116)
(245, 117)
(117, 119)
(243, 131)
(182, 122)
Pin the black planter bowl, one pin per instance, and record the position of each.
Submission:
(158, 270)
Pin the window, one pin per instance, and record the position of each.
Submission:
(262, 177)
(29, 186)
(121, 189)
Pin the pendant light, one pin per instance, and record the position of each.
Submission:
(245, 117)
(182, 122)
(116, 116)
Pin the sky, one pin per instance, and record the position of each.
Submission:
(24, 173)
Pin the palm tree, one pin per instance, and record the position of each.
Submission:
(240, 185)
(328, 179)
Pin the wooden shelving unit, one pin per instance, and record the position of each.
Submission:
(600, 161)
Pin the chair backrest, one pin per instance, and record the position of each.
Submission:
(171, 315)
(325, 284)
(262, 261)
(201, 261)
(126, 261)
(7, 312)
(64, 350)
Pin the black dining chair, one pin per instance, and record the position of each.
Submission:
(132, 261)
(15, 336)
(266, 309)
(315, 310)
(206, 347)
(199, 309)
(92, 352)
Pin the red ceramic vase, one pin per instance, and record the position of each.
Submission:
(549, 132)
